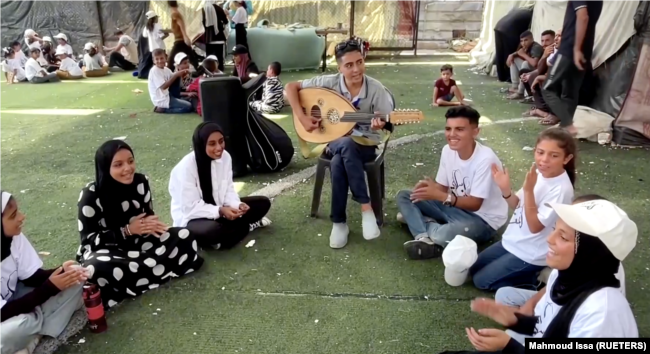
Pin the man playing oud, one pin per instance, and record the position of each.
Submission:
(348, 154)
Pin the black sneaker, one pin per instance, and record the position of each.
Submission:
(423, 248)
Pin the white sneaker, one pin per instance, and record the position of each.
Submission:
(262, 223)
(339, 235)
(400, 218)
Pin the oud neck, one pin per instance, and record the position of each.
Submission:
(356, 117)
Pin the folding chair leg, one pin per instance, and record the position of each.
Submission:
(376, 200)
(318, 188)
(382, 180)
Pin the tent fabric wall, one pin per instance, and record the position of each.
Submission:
(81, 21)
(611, 32)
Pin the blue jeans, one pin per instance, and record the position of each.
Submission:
(496, 268)
(449, 221)
(346, 166)
(177, 105)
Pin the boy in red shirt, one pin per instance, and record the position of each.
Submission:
(445, 89)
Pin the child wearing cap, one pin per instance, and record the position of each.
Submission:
(154, 33)
(273, 95)
(33, 41)
(160, 80)
(179, 88)
(34, 72)
(94, 63)
(582, 298)
(68, 68)
(62, 39)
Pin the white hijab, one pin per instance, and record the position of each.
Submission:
(211, 15)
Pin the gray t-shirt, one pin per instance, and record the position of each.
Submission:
(373, 97)
(93, 63)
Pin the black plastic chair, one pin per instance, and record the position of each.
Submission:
(376, 183)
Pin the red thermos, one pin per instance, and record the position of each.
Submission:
(94, 308)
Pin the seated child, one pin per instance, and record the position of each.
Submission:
(445, 89)
(35, 301)
(68, 69)
(11, 67)
(33, 70)
(160, 80)
(180, 87)
(273, 96)
(49, 54)
(18, 52)
(95, 64)
(62, 39)
(209, 67)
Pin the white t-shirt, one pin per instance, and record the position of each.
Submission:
(95, 62)
(71, 67)
(241, 16)
(518, 239)
(20, 265)
(13, 66)
(157, 77)
(604, 314)
(129, 49)
(154, 37)
(185, 190)
(20, 56)
(36, 44)
(67, 48)
(473, 177)
(32, 68)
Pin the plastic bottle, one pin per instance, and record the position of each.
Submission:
(94, 308)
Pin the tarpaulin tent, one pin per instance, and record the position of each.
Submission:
(81, 21)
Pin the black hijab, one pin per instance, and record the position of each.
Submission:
(6, 241)
(111, 192)
(203, 161)
(594, 267)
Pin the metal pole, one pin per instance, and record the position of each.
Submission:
(417, 28)
(351, 19)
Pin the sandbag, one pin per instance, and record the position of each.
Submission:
(269, 146)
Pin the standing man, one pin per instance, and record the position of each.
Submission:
(562, 87)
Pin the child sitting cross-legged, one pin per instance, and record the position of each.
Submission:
(445, 89)
(273, 97)
(160, 80)
(95, 64)
(68, 69)
(34, 72)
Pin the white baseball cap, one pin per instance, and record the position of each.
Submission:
(604, 220)
(460, 254)
(178, 58)
(29, 33)
(61, 36)
(60, 50)
(150, 15)
(89, 46)
(47, 39)
(208, 58)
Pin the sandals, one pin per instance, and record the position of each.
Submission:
(549, 120)
(530, 112)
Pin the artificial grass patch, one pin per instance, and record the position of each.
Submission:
(46, 160)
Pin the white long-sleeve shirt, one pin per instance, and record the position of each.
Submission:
(185, 190)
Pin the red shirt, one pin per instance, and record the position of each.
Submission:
(194, 87)
(444, 90)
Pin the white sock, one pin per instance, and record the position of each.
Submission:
(369, 224)
(339, 235)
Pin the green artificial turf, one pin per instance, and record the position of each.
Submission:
(366, 297)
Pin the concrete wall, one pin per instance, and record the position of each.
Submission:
(439, 19)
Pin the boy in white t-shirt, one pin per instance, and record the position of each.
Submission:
(68, 69)
(34, 72)
(160, 80)
(463, 200)
(62, 40)
(11, 67)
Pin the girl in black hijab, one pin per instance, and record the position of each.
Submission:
(126, 249)
(583, 300)
(203, 194)
(35, 301)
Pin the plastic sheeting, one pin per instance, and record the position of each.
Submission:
(81, 21)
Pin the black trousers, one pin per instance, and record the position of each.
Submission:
(117, 59)
(228, 233)
(216, 50)
(241, 37)
(504, 45)
(178, 47)
(562, 88)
